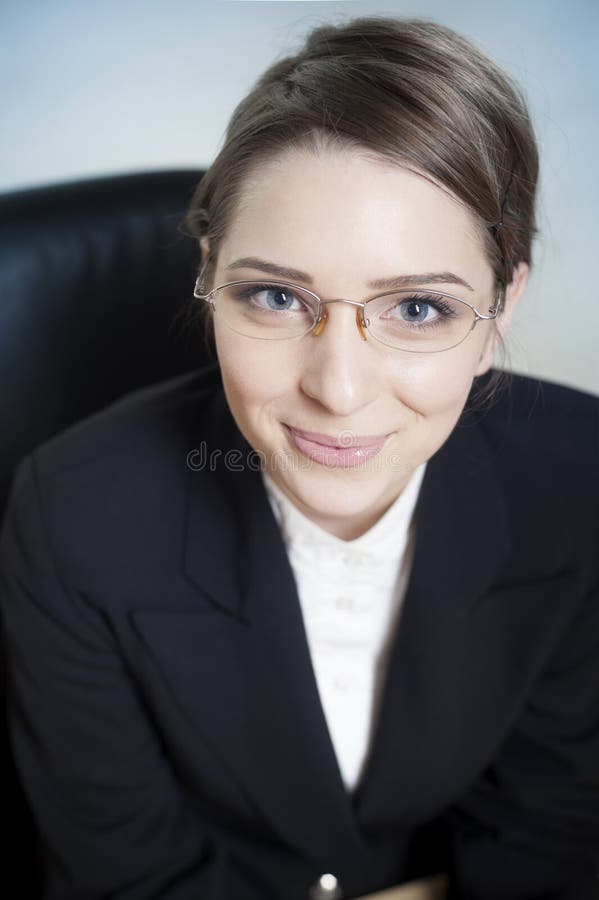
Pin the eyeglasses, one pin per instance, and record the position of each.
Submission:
(417, 321)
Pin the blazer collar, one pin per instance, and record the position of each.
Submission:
(462, 534)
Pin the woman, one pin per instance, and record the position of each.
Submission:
(329, 626)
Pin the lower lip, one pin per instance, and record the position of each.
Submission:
(336, 457)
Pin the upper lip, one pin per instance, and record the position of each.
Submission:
(345, 438)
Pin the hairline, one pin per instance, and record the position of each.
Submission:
(319, 143)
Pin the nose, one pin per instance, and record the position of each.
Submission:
(340, 370)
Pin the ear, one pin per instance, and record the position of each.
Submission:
(514, 291)
(205, 247)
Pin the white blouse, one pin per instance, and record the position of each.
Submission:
(351, 594)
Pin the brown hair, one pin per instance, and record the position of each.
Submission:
(409, 91)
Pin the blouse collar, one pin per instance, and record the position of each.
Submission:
(381, 541)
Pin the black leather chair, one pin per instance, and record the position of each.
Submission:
(95, 285)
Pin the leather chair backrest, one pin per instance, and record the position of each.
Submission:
(95, 279)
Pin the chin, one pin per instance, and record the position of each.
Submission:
(336, 493)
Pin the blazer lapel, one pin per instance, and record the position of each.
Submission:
(279, 745)
(462, 539)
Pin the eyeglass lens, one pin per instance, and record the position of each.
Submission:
(409, 320)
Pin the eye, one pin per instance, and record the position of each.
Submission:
(420, 310)
(414, 311)
(275, 297)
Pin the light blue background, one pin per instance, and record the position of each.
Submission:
(90, 88)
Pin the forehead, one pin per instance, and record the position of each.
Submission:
(342, 210)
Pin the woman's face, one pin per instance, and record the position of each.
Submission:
(345, 221)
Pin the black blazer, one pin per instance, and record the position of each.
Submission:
(164, 713)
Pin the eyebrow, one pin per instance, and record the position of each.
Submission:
(396, 282)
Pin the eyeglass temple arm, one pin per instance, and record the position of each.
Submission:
(495, 309)
(197, 290)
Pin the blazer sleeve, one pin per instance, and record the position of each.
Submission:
(528, 828)
(113, 819)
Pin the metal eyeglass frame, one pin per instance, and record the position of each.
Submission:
(362, 322)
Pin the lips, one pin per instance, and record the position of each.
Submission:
(345, 451)
(343, 440)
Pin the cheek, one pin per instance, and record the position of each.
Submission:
(255, 373)
(436, 384)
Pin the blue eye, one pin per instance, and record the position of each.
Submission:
(416, 311)
(422, 310)
(267, 297)
(277, 298)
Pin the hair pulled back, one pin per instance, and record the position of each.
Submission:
(409, 91)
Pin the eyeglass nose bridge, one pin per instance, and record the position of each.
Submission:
(361, 321)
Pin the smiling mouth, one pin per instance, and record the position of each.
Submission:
(344, 439)
(345, 451)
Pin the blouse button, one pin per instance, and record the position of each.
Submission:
(344, 603)
(325, 888)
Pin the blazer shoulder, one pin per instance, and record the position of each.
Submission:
(552, 396)
(115, 482)
(540, 418)
(542, 439)
(152, 417)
